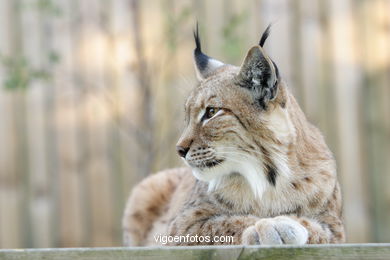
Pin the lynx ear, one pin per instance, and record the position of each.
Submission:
(204, 65)
(259, 74)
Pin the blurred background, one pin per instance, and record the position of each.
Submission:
(92, 95)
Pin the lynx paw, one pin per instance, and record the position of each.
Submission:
(275, 231)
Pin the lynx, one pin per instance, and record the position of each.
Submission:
(257, 169)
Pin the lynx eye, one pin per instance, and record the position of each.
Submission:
(210, 112)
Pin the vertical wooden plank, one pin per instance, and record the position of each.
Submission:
(327, 106)
(385, 94)
(19, 115)
(111, 16)
(347, 79)
(11, 226)
(56, 30)
(72, 216)
(169, 10)
(38, 201)
(311, 59)
(52, 25)
(93, 43)
(375, 40)
(325, 89)
(296, 51)
(121, 98)
(143, 34)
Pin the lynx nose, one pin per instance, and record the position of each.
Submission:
(182, 151)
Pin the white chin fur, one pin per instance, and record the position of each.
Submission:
(208, 174)
(248, 166)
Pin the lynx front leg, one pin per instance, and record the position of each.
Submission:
(275, 231)
(294, 230)
(253, 230)
(211, 226)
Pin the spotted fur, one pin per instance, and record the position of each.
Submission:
(257, 169)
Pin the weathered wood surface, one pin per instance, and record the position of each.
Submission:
(317, 252)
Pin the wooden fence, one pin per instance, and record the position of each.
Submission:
(313, 252)
(92, 93)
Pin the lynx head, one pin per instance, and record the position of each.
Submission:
(237, 121)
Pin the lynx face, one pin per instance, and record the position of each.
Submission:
(237, 123)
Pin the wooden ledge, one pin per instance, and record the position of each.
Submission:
(317, 252)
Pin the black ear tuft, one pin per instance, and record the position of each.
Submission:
(204, 65)
(198, 47)
(265, 35)
(201, 59)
